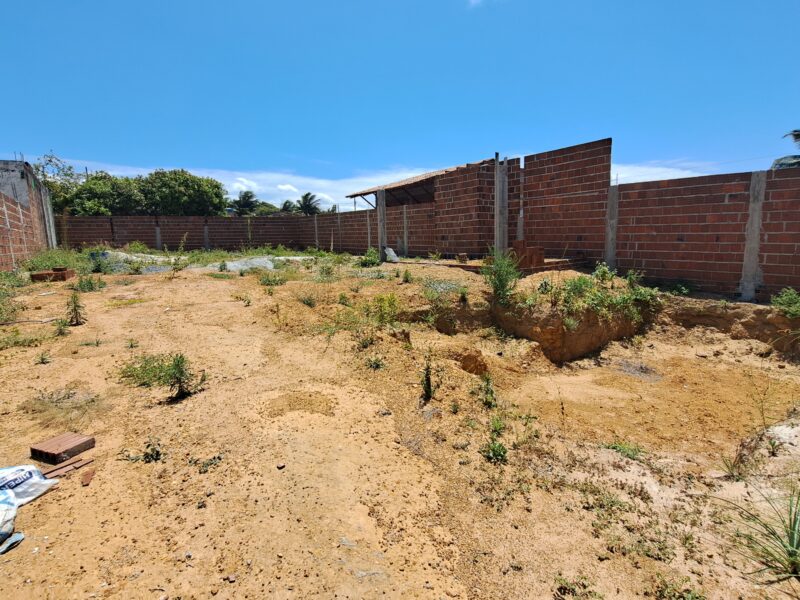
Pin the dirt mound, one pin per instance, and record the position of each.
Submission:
(558, 342)
(740, 319)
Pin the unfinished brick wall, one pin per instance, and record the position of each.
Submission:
(690, 230)
(780, 231)
(685, 230)
(564, 197)
(24, 206)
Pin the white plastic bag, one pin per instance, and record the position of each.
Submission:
(25, 483)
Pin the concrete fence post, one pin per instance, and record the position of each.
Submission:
(612, 217)
(500, 205)
(751, 269)
(158, 235)
(405, 230)
(380, 205)
(369, 231)
(206, 239)
(316, 233)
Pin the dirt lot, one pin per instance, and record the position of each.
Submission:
(332, 479)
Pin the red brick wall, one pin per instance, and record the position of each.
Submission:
(23, 231)
(464, 213)
(691, 230)
(780, 231)
(564, 195)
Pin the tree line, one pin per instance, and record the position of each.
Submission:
(162, 192)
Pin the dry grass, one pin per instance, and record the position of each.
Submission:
(65, 407)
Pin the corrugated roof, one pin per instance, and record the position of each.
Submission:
(413, 180)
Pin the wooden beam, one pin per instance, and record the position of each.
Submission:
(381, 210)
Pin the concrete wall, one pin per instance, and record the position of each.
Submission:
(26, 218)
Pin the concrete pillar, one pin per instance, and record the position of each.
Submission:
(751, 269)
(500, 205)
(380, 206)
(612, 217)
(521, 222)
(206, 239)
(369, 231)
(405, 230)
(316, 233)
(158, 236)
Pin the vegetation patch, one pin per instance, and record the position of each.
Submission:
(788, 302)
(64, 407)
(172, 371)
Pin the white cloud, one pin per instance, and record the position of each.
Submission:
(242, 184)
(655, 170)
(274, 186)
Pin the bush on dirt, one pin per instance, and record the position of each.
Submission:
(87, 283)
(76, 313)
(165, 370)
(371, 258)
(788, 302)
(501, 274)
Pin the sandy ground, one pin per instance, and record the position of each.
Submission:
(334, 483)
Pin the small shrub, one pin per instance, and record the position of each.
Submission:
(61, 327)
(243, 298)
(308, 299)
(603, 273)
(375, 363)
(371, 258)
(454, 407)
(76, 313)
(42, 358)
(626, 449)
(495, 452)
(223, 266)
(132, 343)
(344, 300)
(788, 302)
(407, 276)
(667, 589)
(270, 279)
(152, 453)
(485, 392)
(496, 426)
(205, 466)
(364, 338)
(579, 588)
(502, 275)
(166, 370)
(428, 380)
(326, 272)
(771, 540)
(383, 309)
(87, 283)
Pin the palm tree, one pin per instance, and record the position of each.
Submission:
(288, 206)
(245, 204)
(308, 204)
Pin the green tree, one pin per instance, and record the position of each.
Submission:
(265, 209)
(178, 192)
(245, 204)
(288, 206)
(308, 204)
(59, 178)
(104, 194)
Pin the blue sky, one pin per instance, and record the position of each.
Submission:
(324, 96)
